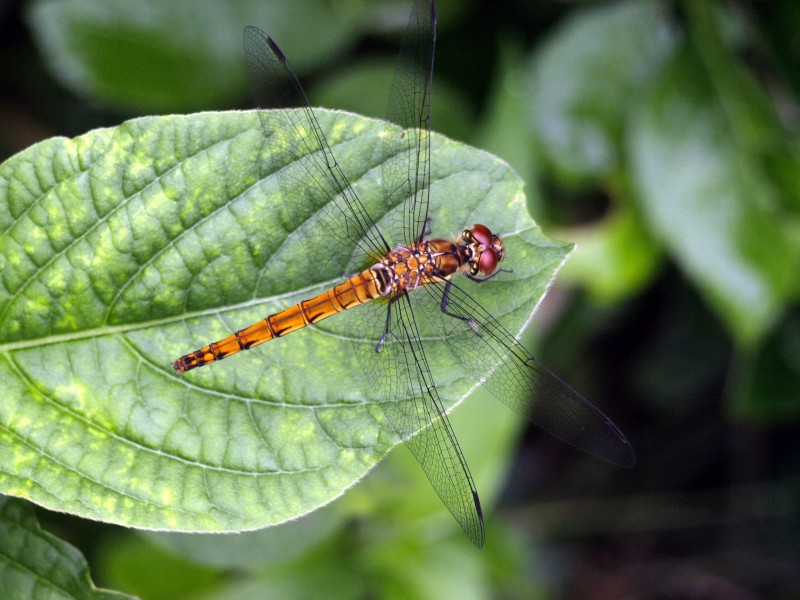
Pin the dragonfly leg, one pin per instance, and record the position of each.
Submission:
(388, 326)
(446, 301)
(488, 277)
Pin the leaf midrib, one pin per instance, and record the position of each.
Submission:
(106, 330)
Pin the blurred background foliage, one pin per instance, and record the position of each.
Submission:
(662, 138)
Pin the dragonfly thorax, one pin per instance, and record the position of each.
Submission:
(476, 252)
(409, 267)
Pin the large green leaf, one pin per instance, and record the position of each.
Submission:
(614, 259)
(124, 248)
(36, 564)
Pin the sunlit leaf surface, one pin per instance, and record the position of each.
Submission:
(125, 248)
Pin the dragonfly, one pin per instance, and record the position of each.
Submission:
(400, 284)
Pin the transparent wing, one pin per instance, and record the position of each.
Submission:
(519, 380)
(400, 372)
(337, 231)
(406, 151)
(400, 377)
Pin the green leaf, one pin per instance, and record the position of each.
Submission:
(256, 550)
(394, 503)
(586, 78)
(500, 131)
(36, 564)
(711, 203)
(741, 97)
(127, 247)
(614, 258)
(751, 109)
(155, 56)
(130, 562)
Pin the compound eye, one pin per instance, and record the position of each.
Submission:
(488, 262)
(482, 234)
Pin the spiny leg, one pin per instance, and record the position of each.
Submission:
(446, 301)
(488, 277)
(388, 325)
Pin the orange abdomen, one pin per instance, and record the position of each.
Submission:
(357, 290)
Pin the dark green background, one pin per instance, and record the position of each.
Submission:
(659, 136)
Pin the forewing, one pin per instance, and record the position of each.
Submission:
(338, 232)
(518, 379)
(406, 151)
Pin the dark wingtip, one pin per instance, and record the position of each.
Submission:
(254, 32)
(276, 49)
(478, 537)
(478, 508)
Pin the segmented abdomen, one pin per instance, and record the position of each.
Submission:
(357, 290)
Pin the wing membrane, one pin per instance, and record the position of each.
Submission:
(338, 230)
(406, 152)
(399, 375)
(315, 189)
(519, 380)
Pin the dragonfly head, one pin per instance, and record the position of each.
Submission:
(483, 250)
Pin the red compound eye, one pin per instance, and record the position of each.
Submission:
(488, 262)
(482, 234)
